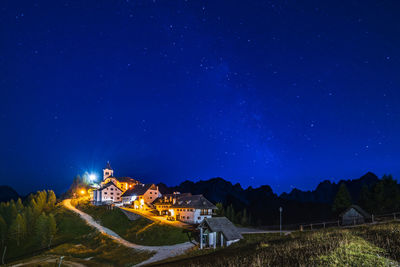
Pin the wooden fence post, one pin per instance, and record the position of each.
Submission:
(324, 225)
(338, 223)
(311, 226)
(372, 218)
(394, 216)
(301, 228)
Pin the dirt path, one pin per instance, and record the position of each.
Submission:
(162, 252)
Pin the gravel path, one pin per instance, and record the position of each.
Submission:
(162, 252)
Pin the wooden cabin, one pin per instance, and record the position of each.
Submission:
(218, 231)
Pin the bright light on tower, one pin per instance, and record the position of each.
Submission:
(92, 177)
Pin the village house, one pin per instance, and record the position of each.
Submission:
(218, 231)
(141, 196)
(354, 215)
(164, 204)
(107, 194)
(188, 208)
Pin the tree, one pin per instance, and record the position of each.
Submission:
(51, 200)
(52, 228)
(365, 198)
(342, 200)
(19, 205)
(42, 230)
(18, 229)
(230, 213)
(244, 220)
(3, 231)
(220, 209)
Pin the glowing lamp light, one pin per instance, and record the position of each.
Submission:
(92, 177)
(82, 192)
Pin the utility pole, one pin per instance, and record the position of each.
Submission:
(60, 262)
(280, 220)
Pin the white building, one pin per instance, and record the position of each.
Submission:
(188, 208)
(141, 195)
(106, 194)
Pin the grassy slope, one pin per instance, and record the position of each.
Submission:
(77, 241)
(377, 245)
(141, 231)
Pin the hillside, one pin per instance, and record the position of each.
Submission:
(261, 204)
(372, 245)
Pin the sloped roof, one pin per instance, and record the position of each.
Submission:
(161, 199)
(108, 166)
(222, 224)
(138, 190)
(358, 209)
(126, 179)
(109, 184)
(193, 201)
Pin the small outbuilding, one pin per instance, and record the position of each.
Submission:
(354, 215)
(218, 231)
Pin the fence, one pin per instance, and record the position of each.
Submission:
(380, 218)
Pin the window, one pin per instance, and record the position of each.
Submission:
(105, 193)
(188, 217)
(150, 197)
(111, 189)
(198, 218)
(151, 192)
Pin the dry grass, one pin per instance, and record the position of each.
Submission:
(376, 245)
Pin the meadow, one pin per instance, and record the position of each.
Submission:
(372, 245)
(76, 241)
(141, 231)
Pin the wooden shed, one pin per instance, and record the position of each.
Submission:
(354, 215)
(218, 231)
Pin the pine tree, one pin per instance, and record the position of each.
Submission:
(18, 229)
(365, 198)
(220, 209)
(52, 228)
(3, 231)
(244, 221)
(42, 230)
(342, 200)
(51, 200)
(19, 205)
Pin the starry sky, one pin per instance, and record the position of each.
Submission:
(284, 93)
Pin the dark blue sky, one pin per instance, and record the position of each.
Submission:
(285, 93)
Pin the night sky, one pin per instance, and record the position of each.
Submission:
(284, 93)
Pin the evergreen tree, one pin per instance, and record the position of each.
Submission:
(52, 228)
(19, 205)
(18, 229)
(42, 230)
(244, 220)
(220, 209)
(342, 200)
(3, 231)
(365, 198)
(51, 200)
(230, 213)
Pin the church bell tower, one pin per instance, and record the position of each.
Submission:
(107, 171)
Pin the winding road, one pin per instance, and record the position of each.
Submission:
(162, 252)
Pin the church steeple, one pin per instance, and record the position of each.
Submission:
(107, 171)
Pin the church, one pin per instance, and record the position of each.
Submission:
(112, 188)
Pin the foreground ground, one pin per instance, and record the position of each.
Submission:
(161, 252)
(80, 246)
(372, 245)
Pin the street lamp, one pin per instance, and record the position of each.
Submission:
(280, 220)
